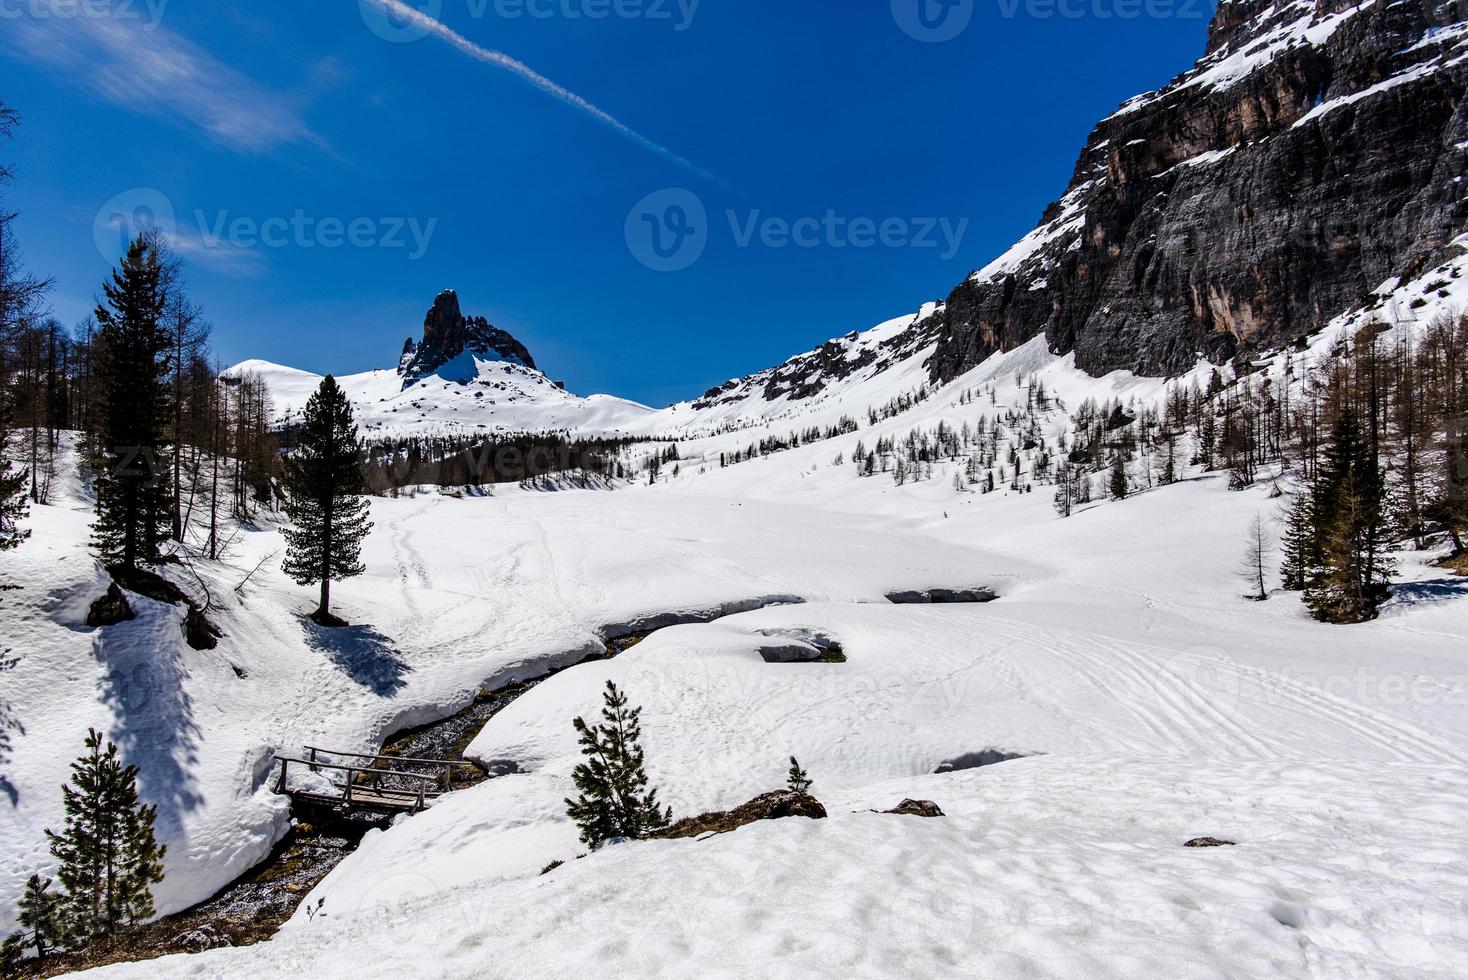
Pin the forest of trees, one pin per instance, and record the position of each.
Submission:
(174, 450)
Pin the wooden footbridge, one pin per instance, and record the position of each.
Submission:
(383, 784)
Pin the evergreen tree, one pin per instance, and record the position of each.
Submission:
(614, 799)
(325, 503)
(1119, 484)
(109, 857)
(13, 503)
(132, 367)
(41, 915)
(797, 779)
(1297, 544)
(1347, 507)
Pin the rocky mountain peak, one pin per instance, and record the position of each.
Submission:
(1314, 152)
(452, 341)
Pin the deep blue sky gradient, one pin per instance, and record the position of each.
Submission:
(800, 106)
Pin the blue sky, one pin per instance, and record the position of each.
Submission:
(326, 182)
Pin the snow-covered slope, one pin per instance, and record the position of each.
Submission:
(497, 396)
(1152, 704)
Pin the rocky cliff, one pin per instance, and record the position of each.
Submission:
(1316, 150)
(451, 341)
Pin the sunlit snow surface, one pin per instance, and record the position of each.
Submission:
(1152, 705)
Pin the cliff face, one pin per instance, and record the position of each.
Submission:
(1316, 150)
(448, 336)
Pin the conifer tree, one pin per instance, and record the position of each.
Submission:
(614, 799)
(109, 857)
(1297, 544)
(325, 503)
(132, 367)
(42, 921)
(797, 779)
(1257, 550)
(1347, 508)
(1119, 484)
(13, 504)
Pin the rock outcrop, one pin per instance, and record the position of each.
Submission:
(1314, 152)
(769, 806)
(451, 341)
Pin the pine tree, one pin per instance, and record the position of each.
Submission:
(13, 503)
(1297, 544)
(1347, 507)
(614, 799)
(797, 779)
(1119, 485)
(109, 857)
(325, 503)
(41, 915)
(132, 366)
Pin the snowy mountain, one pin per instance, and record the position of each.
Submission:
(462, 376)
(1315, 150)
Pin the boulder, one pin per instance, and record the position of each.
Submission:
(916, 808)
(111, 609)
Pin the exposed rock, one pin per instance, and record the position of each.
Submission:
(977, 760)
(916, 808)
(1209, 842)
(111, 609)
(790, 652)
(770, 806)
(801, 644)
(911, 598)
(451, 340)
(1232, 211)
(199, 632)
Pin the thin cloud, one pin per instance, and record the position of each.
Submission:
(499, 59)
(125, 58)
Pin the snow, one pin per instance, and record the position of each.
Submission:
(1145, 702)
(1140, 700)
(465, 396)
(1068, 222)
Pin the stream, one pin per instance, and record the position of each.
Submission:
(253, 907)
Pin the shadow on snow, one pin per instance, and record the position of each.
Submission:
(363, 654)
(154, 727)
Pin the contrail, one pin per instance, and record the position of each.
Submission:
(501, 60)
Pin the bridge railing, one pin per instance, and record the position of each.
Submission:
(445, 768)
(366, 782)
